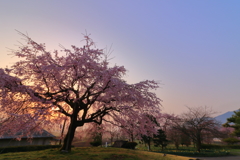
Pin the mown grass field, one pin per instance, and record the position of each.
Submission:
(235, 152)
(191, 151)
(90, 153)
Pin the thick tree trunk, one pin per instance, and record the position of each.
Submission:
(198, 143)
(67, 143)
(132, 137)
(149, 145)
(176, 145)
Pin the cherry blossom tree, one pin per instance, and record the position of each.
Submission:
(147, 138)
(44, 87)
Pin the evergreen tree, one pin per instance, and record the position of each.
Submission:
(160, 139)
(234, 122)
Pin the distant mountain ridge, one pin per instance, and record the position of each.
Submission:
(223, 117)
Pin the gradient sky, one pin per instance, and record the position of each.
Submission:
(191, 47)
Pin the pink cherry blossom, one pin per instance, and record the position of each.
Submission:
(79, 84)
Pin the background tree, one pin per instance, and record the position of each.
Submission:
(185, 140)
(167, 120)
(77, 83)
(166, 123)
(231, 140)
(234, 122)
(196, 122)
(174, 136)
(227, 132)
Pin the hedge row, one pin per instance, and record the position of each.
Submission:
(215, 146)
(26, 148)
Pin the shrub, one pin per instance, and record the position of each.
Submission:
(129, 145)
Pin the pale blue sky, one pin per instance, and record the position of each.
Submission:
(191, 47)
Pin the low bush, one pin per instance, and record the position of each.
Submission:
(129, 145)
(27, 148)
(96, 143)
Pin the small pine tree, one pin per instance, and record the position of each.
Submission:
(160, 139)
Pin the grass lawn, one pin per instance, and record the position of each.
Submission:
(235, 152)
(191, 151)
(90, 153)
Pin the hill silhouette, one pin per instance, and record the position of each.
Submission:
(223, 117)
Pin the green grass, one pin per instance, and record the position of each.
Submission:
(90, 153)
(235, 152)
(191, 151)
(102, 153)
(194, 153)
